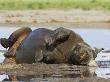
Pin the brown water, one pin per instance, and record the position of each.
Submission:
(94, 35)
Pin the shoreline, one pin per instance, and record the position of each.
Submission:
(56, 25)
(34, 17)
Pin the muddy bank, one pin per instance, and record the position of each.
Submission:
(44, 71)
(41, 68)
(54, 16)
(51, 73)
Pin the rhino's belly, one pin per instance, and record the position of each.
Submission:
(32, 45)
(25, 55)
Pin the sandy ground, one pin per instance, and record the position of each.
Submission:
(54, 16)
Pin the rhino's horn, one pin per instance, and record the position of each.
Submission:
(97, 50)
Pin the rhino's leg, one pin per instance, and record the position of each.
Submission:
(14, 37)
(15, 40)
(18, 33)
(11, 53)
(13, 78)
(61, 34)
(56, 38)
(12, 50)
(4, 42)
(39, 56)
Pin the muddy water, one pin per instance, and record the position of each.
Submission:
(96, 37)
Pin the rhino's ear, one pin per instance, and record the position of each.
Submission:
(62, 36)
(97, 50)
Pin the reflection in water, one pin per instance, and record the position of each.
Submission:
(64, 72)
(103, 72)
(1, 57)
(4, 77)
(86, 72)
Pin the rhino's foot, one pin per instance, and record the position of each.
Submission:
(4, 42)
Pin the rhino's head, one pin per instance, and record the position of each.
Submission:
(83, 54)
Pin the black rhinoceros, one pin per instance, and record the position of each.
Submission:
(51, 46)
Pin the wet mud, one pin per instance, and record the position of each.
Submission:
(50, 73)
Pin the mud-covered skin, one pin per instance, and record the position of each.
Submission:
(73, 51)
(59, 53)
(82, 54)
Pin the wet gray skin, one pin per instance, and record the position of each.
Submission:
(34, 47)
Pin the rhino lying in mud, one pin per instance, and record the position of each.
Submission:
(49, 46)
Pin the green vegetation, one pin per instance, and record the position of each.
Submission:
(53, 4)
